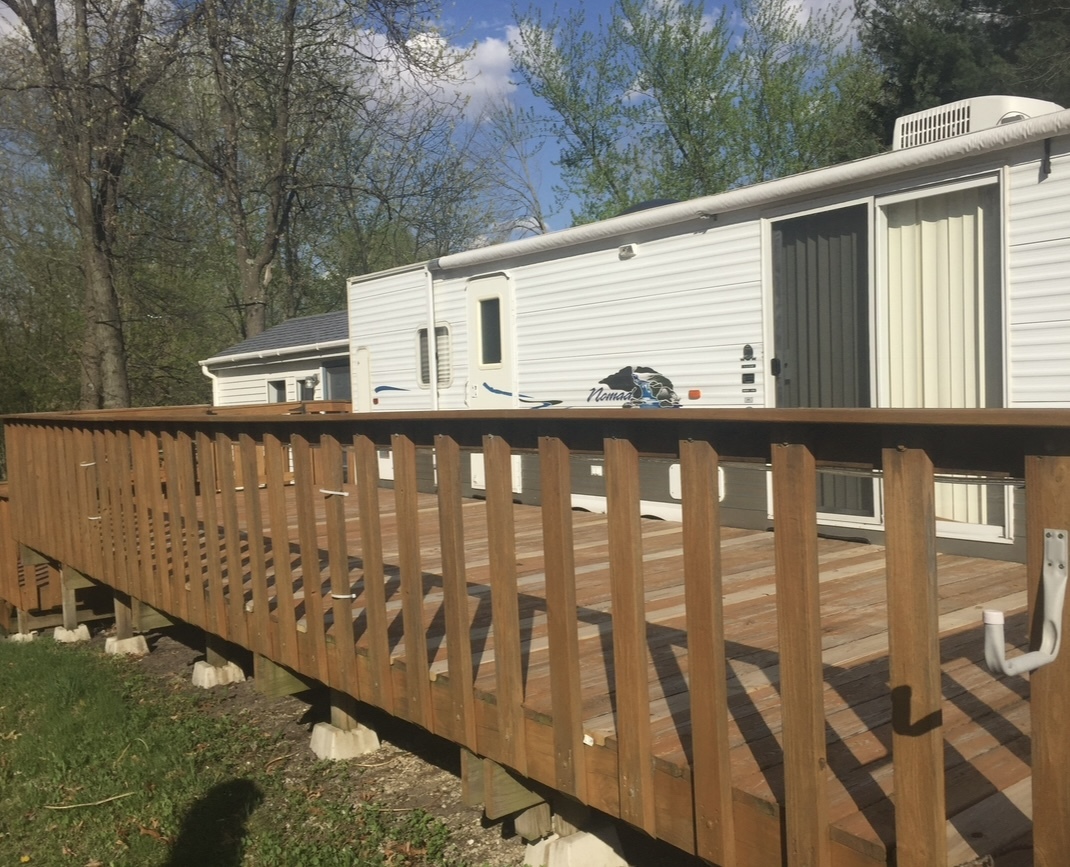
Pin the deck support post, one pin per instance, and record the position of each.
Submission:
(71, 631)
(124, 640)
(344, 737)
(219, 666)
(275, 680)
(24, 634)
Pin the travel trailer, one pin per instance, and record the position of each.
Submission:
(932, 275)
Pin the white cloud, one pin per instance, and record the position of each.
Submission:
(488, 72)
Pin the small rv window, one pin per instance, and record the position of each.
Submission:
(442, 356)
(490, 331)
(277, 391)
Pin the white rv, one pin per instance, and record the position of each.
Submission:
(933, 275)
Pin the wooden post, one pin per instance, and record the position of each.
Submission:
(570, 760)
(124, 615)
(275, 473)
(707, 684)
(505, 604)
(455, 591)
(630, 654)
(801, 680)
(381, 690)
(70, 582)
(334, 508)
(311, 578)
(406, 496)
(261, 634)
(1047, 485)
(914, 660)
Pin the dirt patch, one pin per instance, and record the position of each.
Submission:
(412, 769)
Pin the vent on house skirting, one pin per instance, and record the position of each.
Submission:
(965, 116)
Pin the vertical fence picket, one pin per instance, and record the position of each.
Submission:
(455, 592)
(311, 579)
(570, 758)
(708, 687)
(176, 592)
(261, 632)
(191, 528)
(1047, 484)
(417, 670)
(630, 654)
(124, 446)
(118, 485)
(275, 472)
(146, 586)
(228, 496)
(334, 508)
(106, 533)
(67, 466)
(505, 601)
(162, 568)
(914, 660)
(366, 459)
(215, 600)
(801, 678)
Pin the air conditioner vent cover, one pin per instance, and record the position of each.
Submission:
(965, 116)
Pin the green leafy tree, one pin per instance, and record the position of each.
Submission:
(665, 102)
(89, 67)
(932, 52)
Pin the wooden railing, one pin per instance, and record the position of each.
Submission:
(152, 503)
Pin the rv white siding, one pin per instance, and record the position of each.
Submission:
(1038, 284)
(684, 306)
(385, 316)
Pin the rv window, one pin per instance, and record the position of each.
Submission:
(277, 391)
(442, 356)
(490, 328)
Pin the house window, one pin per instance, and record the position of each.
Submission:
(442, 356)
(277, 391)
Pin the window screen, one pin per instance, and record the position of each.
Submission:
(442, 356)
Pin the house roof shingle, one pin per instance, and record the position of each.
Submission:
(303, 331)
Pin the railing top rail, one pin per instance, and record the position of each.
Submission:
(957, 440)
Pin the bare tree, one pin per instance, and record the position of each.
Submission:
(93, 64)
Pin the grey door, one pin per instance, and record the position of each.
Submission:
(821, 328)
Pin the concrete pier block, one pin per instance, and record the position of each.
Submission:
(22, 637)
(71, 636)
(206, 675)
(335, 744)
(597, 848)
(136, 646)
(536, 854)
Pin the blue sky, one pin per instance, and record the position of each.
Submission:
(490, 26)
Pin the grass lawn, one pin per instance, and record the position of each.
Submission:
(99, 767)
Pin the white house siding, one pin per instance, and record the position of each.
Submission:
(1038, 288)
(237, 386)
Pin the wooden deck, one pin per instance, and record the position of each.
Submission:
(582, 651)
(986, 725)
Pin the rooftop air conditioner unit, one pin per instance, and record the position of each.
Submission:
(964, 116)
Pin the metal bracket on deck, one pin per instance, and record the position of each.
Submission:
(1053, 595)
